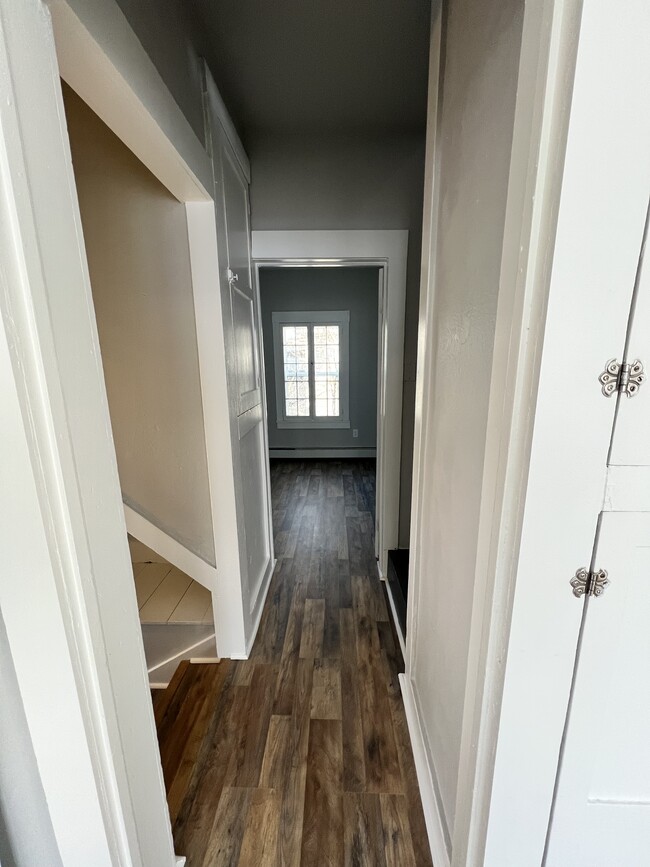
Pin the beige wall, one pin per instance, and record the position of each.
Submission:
(136, 240)
(479, 82)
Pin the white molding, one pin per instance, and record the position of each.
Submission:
(181, 654)
(386, 249)
(165, 545)
(398, 628)
(426, 776)
(85, 585)
(102, 60)
(226, 586)
(258, 605)
(323, 453)
(218, 107)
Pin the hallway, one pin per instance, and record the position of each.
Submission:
(301, 754)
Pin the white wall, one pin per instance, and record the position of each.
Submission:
(136, 240)
(349, 182)
(478, 90)
(22, 800)
(353, 289)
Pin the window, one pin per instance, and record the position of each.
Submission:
(311, 353)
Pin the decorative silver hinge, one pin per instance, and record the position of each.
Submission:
(586, 583)
(626, 378)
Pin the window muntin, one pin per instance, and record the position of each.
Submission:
(311, 359)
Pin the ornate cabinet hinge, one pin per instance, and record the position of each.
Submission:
(626, 378)
(586, 583)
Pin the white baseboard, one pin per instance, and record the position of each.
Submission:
(398, 628)
(323, 453)
(160, 674)
(184, 559)
(259, 607)
(432, 814)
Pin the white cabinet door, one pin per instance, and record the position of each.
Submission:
(602, 807)
(601, 811)
(631, 439)
(242, 341)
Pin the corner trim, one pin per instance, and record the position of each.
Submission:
(432, 814)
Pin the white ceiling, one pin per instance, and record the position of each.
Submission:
(312, 65)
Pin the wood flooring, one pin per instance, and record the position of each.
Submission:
(300, 755)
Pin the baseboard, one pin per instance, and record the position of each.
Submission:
(323, 453)
(432, 813)
(398, 628)
(184, 559)
(160, 674)
(259, 607)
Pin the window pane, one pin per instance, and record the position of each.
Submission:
(295, 352)
(320, 334)
(321, 407)
(333, 353)
(332, 334)
(332, 407)
(320, 390)
(320, 353)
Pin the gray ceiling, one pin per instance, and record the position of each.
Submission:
(311, 65)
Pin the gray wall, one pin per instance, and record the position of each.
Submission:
(310, 181)
(26, 835)
(353, 289)
(478, 96)
(350, 182)
(136, 240)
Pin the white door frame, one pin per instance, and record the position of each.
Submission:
(386, 250)
(90, 674)
(543, 480)
(102, 60)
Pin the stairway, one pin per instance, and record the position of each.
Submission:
(175, 615)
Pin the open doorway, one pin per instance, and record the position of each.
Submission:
(136, 240)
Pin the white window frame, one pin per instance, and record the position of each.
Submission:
(309, 318)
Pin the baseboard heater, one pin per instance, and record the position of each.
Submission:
(336, 452)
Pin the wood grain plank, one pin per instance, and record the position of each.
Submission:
(383, 772)
(398, 846)
(293, 801)
(277, 753)
(313, 626)
(260, 843)
(326, 690)
(225, 840)
(322, 837)
(254, 713)
(363, 831)
(354, 768)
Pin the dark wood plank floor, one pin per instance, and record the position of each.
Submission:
(300, 755)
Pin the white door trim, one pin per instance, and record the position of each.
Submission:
(87, 590)
(100, 57)
(386, 250)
